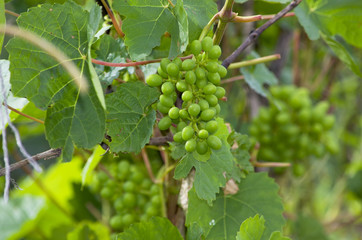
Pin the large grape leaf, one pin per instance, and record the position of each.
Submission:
(156, 228)
(129, 116)
(258, 75)
(332, 17)
(258, 194)
(147, 20)
(72, 118)
(209, 176)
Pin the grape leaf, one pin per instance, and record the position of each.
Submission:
(147, 20)
(72, 118)
(199, 14)
(129, 116)
(258, 75)
(209, 176)
(156, 228)
(278, 236)
(332, 17)
(17, 212)
(91, 164)
(2, 21)
(88, 230)
(252, 228)
(258, 194)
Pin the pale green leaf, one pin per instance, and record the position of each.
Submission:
(72, 118)
(258, 75)
(89, 230)
(17, 212)
(146, 21)
(92, 163)
(278, 236)
(156, 228)
(258, 194)
(252, 228)
(129, 116)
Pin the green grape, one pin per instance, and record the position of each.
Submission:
(214, 78)
(207, 115)
(165, 123)
(129, 200)
(173, 113)
(188, 65)
(214, 142)
(137, 176)
(283, 118)
(215, 52)
(118, 204)
(116, 222)
(203, 134)
(220, 92)
(211, 126)
(154, 80)
(181, 126)
(166, 100)
(178, 62)
(141, 201)
(212, 67)
(222, 71)
(151, 211)
(129, 186)
(181, 86)
(212, 100)
(190, 145)
(194, 109)
(195, 47)
(187, 133)
(190, 77)
(154, 189)
(107, 193)
(173, 69)
(186, 96)
(202, 147)
(161, 72)
(102, 177)
(123, 170)
(201, 83)
(200, 73)
(178, 137)
(304, 115)
(328, 122)
(184, 114)
(162, 108)
(164, 63)
(167, 88)
(204, 104)
(217, 108)
(128, 219)
(156, 200)
(209, 89)
(146, 183)
(207, 44)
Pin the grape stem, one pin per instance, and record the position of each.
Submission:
(117, 26)
(254, 61)
(25, 115)
(253, 36)
(270, 164)
(226, 15)
(148, 165)
(241, 19)
(12, 13)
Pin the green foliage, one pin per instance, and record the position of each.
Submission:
(2, 21)
(257, 194)
(129, 116)
(155, 229)
(88, 230)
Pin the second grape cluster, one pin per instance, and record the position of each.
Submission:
(197, 82)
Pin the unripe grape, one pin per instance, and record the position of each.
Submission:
(165, 123)
(202, 147)
(200, 73)
(183, 114)
(212, 67)
(181, 125)
(208, 114)
(188, 65)
(190, 145)
(164, 63)
(204, 104)
(194, 109)
(178, 137)
(129, 200)
(220, 92)
(190, 77)
(211, 99)
(195, 47)
(209, 89)
(214, 78)
(181, 86)
(222, 71)
(162, 108)
(214, 142)
(166, 100)
(215, 52)
(116, 222)
(207, 44)
(128, 219)
(161, 72)
(187, 133)
(328, 122)
(203, 134)
(129, 186)
(211, 126)
(173, 69)
(154, 80)
(178, 62)
(167, 88)
(200, 83)
(187, 96)
(173, 113)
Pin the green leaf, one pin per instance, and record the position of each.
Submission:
(17, 212)
(258, 75)
(72, 118)
(156, 228)
(258, 194)
(332, 17)
(199, 14)
(209, 176)
(252, 228)
(342, 52)
(146, 21)
(89, 230)
(129, 116)
(2, 21)
(278, 236)
(309, 228)
(91, 164)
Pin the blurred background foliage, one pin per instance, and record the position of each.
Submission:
(322, 199)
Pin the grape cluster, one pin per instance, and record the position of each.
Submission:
(197, 82)
(291, 127)
(133, 196)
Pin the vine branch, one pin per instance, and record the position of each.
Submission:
(25, 115)
(255, 34)
(117, 26)
(49, 154)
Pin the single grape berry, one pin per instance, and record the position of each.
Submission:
(212, 100)
(173, 113)
(222, 71)
(190, 77)
(178, 137)
(195, 47)
(208, 114)
(184, 114)
(178, 62)
(164, 63)
(181, 125)
(166, 100)
(209, 89)
(211, 126)
(181, 86)
(194, 109)
(167, 88)
(214, 78)
(202, 147)
(203, 134)
(207, 44)
(162, 108)
(200, 83)
(220, 92)
(188, 64)
(190, 145)
(165, 123)
(116, 222)
(200, 73)
(215, 52)
(173, 69)
(187, 96)
(187, 133)
(212, 67)
(154, 80)
(204, 104)
(214, 142)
